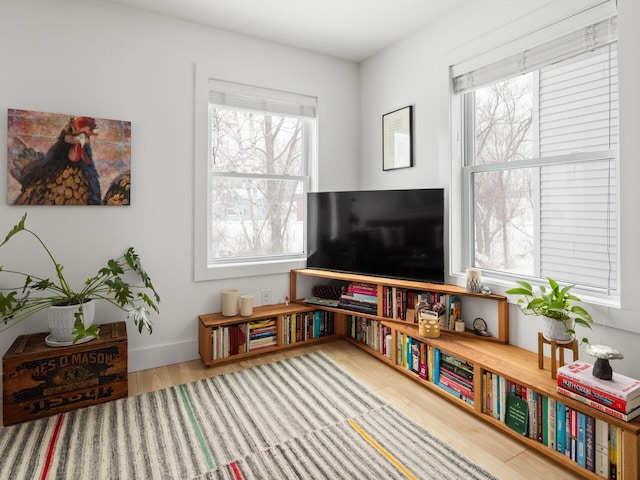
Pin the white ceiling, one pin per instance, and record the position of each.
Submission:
(349, 29)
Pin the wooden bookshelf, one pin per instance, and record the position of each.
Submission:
(501, 304)
(482, 356)
(495, 357)
(518, 365)
(207, 323)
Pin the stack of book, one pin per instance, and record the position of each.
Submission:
(400, 304)
(227, 341)
(618, 397)
(360, 297)
(261, 334)
(454, 375)
(413, 355)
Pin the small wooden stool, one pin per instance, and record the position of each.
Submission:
(555, 346)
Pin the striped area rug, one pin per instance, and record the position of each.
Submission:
(302, 418)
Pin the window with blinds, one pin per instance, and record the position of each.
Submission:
(261, 144)
(540, 135)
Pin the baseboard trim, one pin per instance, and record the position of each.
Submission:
(161, 355)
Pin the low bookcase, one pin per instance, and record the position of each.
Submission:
(387, 290)
(464, 368)
(273, 327)
(469, 370)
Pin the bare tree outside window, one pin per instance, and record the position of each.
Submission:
(257, 191)
(541, 171)
(503, 213)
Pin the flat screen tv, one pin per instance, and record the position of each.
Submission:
(388, 233)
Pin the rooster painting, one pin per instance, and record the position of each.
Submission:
(68, 172)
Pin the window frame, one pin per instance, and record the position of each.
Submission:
(250, 266)
(461, 237)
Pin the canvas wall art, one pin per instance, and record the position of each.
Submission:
(58, 159)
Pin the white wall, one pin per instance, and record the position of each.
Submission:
(414, 72)
(106, 61)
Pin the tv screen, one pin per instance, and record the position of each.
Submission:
(389, 233)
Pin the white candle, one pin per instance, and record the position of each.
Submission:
(246, 305)
(474, 279)
(230, 302)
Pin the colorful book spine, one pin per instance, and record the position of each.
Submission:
(423, 369)
(452, 384)
(363, 288)
(543, 420)
(626, 417)
(450, 371)
(399, 348)
(581, 457)
(455, 393)
(552, 424)
(620, 386)
(415, 356)
(602, 448)
(613, 452)
(590, 443)
(454, 310)
(388, 346)
(597, 395)
(365, 297)
(561, 411)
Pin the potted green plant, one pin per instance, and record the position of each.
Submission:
(112, 283)
(555, 304)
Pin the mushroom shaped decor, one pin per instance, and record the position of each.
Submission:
(602, 354)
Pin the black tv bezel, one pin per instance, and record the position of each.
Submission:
(435, 279)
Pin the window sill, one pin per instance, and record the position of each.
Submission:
(500, 285)
(238, 270)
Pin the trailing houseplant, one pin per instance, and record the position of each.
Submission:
(111, 283)
(553, 302)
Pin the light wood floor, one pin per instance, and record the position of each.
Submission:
(502, 456)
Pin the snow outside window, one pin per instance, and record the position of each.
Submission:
(260, 147)
(540, 150)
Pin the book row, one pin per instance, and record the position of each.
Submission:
(306, 325)
(590, 442)
(230, 340)
(401, 304)
(371, 333)
(234, 339)
(360, 297)
(450, 373)
(454, 375)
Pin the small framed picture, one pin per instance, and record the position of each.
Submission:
(397, 141)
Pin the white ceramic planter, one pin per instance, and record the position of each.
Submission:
(554, 330)
(62, 319)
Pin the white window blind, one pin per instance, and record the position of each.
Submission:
(540, 144)
(579, 103)
(467, 77)
(248, 97)
(578, 112)
(578, 223)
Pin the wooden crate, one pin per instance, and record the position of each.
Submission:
(40, 381)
